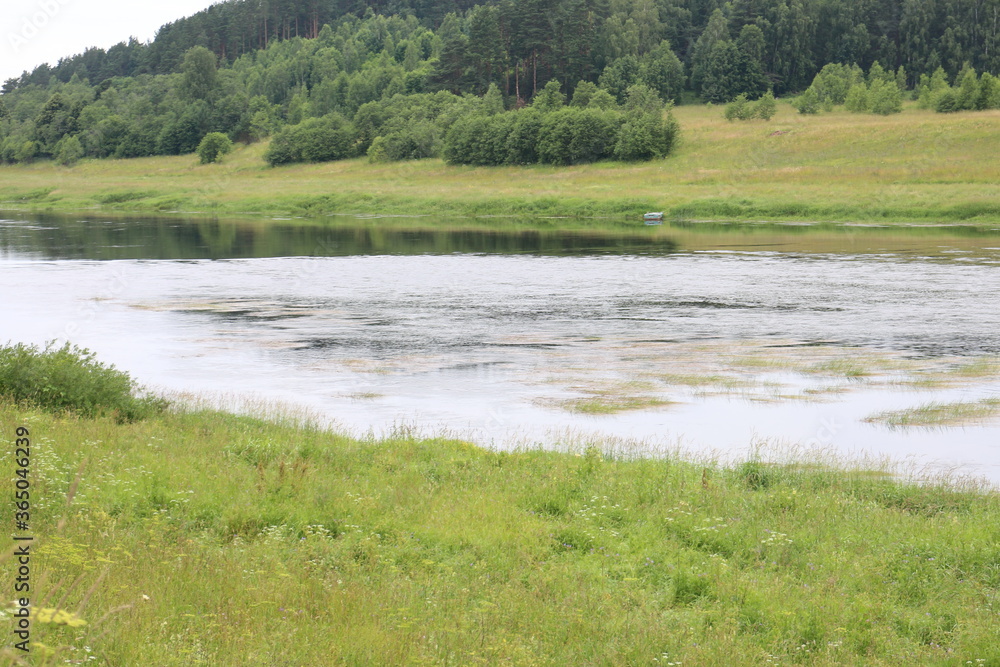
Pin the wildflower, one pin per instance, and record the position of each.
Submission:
(56, 616)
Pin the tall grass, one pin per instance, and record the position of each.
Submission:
(243, 541)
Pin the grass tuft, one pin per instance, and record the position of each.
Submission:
(939, 414)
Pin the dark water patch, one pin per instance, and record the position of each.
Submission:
(50, 236)
(96, 237)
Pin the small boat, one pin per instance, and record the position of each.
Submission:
(653, 218)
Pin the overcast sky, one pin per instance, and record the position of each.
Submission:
(33, 32)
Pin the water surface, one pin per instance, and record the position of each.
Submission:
(494, 332)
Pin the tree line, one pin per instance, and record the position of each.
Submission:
(522, 44)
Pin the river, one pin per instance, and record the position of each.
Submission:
(706, 337)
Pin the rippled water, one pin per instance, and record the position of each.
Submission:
(490, 332)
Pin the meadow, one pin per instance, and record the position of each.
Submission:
(917, 166)
(185, 536)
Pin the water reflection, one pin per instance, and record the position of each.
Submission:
(61, 237)
(55, 236)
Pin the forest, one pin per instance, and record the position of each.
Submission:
(409, 79)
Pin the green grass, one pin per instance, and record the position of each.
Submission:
(917, 166)
(940, 414)
(612, 403)
(242, 541)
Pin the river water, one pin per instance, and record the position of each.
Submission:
(720, 336)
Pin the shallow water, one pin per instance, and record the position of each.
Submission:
(493, 332)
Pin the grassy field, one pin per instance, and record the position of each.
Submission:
(202, 538)
(917, 166)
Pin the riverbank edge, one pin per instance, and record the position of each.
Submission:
(547, 212)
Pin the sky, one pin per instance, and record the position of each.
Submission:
(33, 32)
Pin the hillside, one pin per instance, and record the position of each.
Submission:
(915, 166)
(328, 80)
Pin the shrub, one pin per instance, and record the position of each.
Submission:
(833, 82)
(69, 150)
(739, 109)
(947, 102)
(884, 97)
(641, 97)
(413, 142)
(967, 89)
(930, 88)
(574, 136)
(857, 99)
(213, 146)
(582, 93)
(571, 135)
(377, 151)
(766, 106)
(331, 137)
(522, 142)
(989, 92)
(70, 378)
(808, 102)
(549, 98)
(26, 152)
(463, 142)
(645, 136)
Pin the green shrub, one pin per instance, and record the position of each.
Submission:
(377, 151)
(833, 82)
(522, 143)
(766, 106)
(857, 99)
(739, 109)
(645, 136)
(885, 97)
(464, 141)
(947, 102)
(70, 378)
(808, 102)
(413, 142)
(26, 152)
(930, 89)
(331, 137)
(68, 150)
(967, 89)
(213, 146)
(575, 136)
(989, 92)
(569, 135)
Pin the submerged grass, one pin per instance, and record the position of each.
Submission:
(940, 414)
(611, 403)
(247, 541)
(917, 166)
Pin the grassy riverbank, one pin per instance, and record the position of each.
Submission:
(241, 541)
(917, 166)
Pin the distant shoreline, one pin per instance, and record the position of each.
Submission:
(915, 167)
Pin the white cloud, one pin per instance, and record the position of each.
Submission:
(33, 32)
